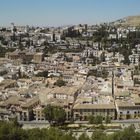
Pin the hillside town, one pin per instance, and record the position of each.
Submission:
(69, 70)
(86, 70)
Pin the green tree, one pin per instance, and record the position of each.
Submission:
(55, 115)
(10, 131)
(107, 119)
(95, 120)
(48, 111)
(42, 74)
(104, 43)
(60, 83)
(95, 60)
(98, 119)
(129, 133)
(98, 135)
(102, 57)
(83, 137)
(125, 50)
(35, 134)
(105, 73)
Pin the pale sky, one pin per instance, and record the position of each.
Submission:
(65, 12)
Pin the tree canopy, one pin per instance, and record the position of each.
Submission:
(55, 115)
(60, 83)
(95, 120)
(11, 131)
(42, 74)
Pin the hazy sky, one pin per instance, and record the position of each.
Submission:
(63, 12)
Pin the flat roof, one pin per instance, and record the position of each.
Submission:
(94, 106)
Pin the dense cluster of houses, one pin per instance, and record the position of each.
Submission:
(97, 81)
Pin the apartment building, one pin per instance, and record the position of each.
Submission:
(128, 109)
(83, 111)
(38, 113)
(93, 104)
(20, 107)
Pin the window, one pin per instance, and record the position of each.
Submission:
(89, 110)
(77, 115)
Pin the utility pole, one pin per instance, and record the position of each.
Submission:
(113, 83)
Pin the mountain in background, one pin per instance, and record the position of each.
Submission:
(129, 21)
